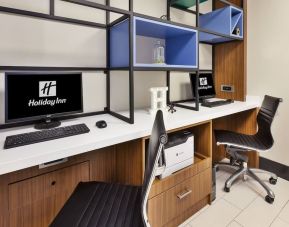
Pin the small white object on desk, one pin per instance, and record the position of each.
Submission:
(158, 99)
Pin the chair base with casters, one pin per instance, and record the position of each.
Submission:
(237, 162)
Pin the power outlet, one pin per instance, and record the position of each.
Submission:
(227, 88)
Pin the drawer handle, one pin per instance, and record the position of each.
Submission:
(53, 183)
(53, 163)
(184, 194)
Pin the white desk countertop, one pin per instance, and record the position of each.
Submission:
(117, 132)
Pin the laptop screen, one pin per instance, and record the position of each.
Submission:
(206, 85)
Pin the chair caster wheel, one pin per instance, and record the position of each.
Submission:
(272, 181)
(226, 189)
(269, 199)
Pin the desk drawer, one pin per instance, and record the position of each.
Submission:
(173, 202)
(168, 205)
(35, 201)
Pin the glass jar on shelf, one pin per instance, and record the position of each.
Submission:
(159, 53)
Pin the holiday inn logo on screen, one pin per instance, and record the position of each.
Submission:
(204, 84)
(47, 88)
(203, 81)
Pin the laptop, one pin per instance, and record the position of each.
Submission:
(206, 90)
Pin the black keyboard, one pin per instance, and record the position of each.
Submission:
(41, 136)
(217, 103)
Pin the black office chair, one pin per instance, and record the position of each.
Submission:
(111, 204)
(237, 144)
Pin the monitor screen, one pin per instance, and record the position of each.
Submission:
(206, 85)
(30, 96)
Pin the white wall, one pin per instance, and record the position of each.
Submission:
(27, 41)
(268, 64)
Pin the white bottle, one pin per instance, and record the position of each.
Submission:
(159, 53)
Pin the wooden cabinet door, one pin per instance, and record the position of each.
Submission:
(35, 202)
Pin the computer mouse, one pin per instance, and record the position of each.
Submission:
(101, 124)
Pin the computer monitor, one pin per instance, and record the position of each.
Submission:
(36, 96)
(206, 85)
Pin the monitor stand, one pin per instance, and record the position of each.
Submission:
(203, 100)
(47, 124)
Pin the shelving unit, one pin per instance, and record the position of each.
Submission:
(216, 27)
(180, 45)
(223, 21)
(52, 17)
(124, 52)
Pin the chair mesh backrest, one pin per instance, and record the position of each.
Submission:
(158, 137)
(265, 118)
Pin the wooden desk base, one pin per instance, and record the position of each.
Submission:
(33, 196)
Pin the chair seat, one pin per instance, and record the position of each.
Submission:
(101, 204)
(241, 140)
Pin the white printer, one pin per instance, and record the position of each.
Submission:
(178, 153)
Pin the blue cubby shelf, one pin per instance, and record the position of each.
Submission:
(223, 22)
(180, 44)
